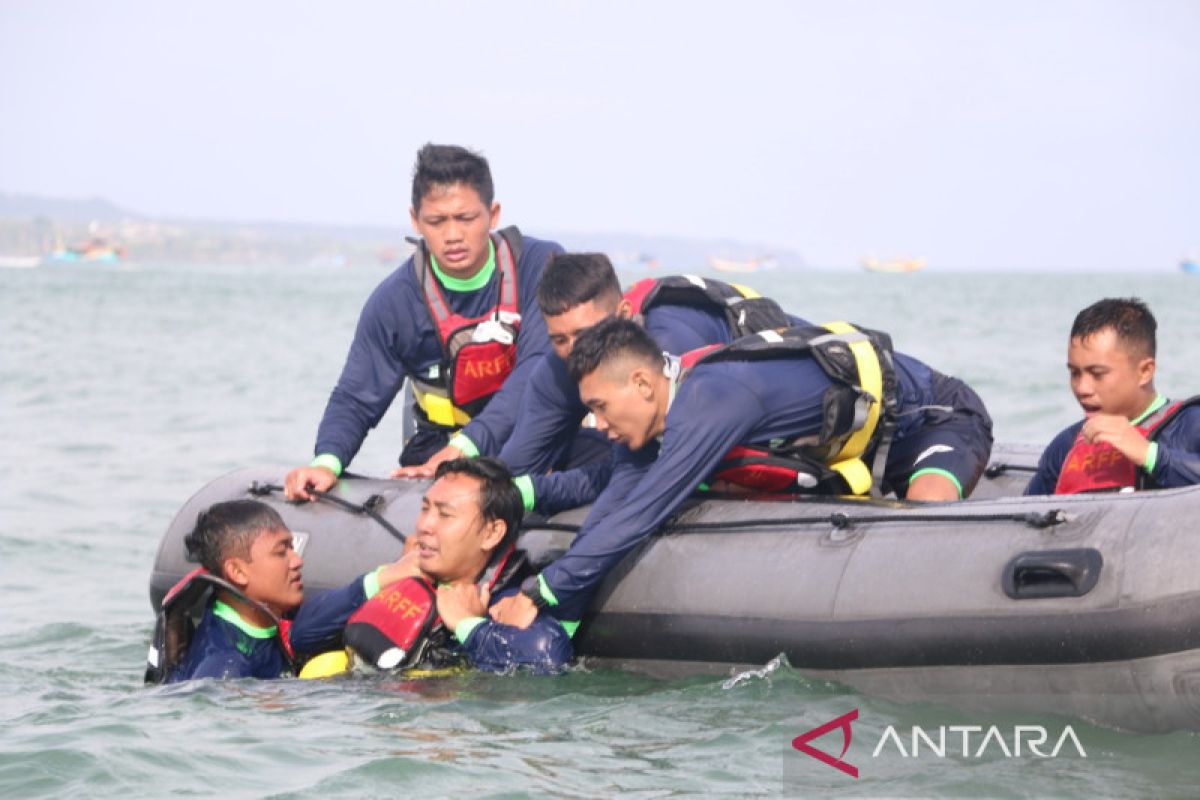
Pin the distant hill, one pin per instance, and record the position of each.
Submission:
(31, 224)
(86, 210)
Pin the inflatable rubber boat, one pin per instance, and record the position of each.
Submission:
(1087, 605)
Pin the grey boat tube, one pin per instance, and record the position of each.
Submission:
(1087, 605)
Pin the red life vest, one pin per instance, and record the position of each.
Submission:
(396, 627)
(478, 353)
(175, 625)
(1100, 467)
(858, 414)
(745, 310)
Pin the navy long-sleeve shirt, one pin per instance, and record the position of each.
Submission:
(225, 646)
(544, 647)
(1176, 463)
(552, 408)
(722, 404)
(396, 338)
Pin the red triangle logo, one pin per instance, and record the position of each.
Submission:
(801, 743)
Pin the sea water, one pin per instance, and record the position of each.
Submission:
(123, 391)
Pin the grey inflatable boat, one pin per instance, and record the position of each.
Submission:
(1087, 605)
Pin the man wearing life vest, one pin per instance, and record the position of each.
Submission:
(465, 546)
(1131, 437)
(256, 620)
(459, 319)
(681, 313)
(832, 399)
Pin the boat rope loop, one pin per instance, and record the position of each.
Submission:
(842, 520)
(368, 507)
(1000, 467)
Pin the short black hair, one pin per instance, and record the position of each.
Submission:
(499, 498)
(228, 530)
(1129, 317)
(572, 279)
(446, 165)
(607, 341)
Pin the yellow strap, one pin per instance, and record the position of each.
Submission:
(745, 291)
(439, 409)
(856, 474)
(870, 379)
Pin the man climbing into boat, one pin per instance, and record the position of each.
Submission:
(579, 290)
(465, 548)
(459, 318)
(257, 622)
(1131, 437)
(827, 408)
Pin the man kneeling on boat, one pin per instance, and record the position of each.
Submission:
(829, 409)
(1131, 437)
(256, 622)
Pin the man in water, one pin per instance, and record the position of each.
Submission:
(1131, 436)
(257, 623)
(675, 431)
(459, 318)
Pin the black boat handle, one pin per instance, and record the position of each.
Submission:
(1052, 573)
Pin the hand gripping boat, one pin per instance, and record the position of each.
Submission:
(1086, 605)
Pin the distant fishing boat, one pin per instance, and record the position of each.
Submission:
(1190, 265)
(893, 265)
(19, 262)
(94, 250)
(749, 265)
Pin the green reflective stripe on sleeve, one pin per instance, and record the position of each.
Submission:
(371, 582)
(476, 281)
(1151, 458)
(463, 443)
(570, 626)
(468, 624)
(547, 595)
(704, 487)
(524, 484)
(329, 461)
(226, 613)
(935, 471)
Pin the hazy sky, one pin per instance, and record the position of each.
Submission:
(1005, 134)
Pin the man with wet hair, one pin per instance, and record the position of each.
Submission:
(1131, 437)
(459, 319)
(246, 545)
(469, 521)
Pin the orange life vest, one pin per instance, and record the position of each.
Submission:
(1100, 467)
(745, 310)
(479, 353)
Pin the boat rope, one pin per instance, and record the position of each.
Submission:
(368, 506)
(842, 520)
(1000, 467)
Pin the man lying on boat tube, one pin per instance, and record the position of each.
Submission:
(577, 291)
(458, 319)
(780, 404)
(1131, 436)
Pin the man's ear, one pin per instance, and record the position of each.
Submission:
(1145, 371)
(643, 382)
(235, 572)
(494, 534)
(494, 216)
(412, 215)
(624, 309)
